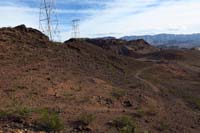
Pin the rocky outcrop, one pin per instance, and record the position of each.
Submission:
(22, 34)
(134, 48)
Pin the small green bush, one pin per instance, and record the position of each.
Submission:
(163, 126)
(193, 102)
(50, 121)
(3, 114)
(47, 120)
(22, 112)
(21, 87)
(140, 113)
(124, 124)
(86, 119)
(117, 93)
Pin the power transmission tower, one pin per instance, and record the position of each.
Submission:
(75, 28)
(48, 21)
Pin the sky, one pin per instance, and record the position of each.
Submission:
(117, 18)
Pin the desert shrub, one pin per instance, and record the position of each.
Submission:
(69, 96)
(140, 113)
(20, 87)
(162, 126)
(117, 93)
(84, 99)
(193, 102)
(20, 112)
(86, 119)
(49, 121)
(151, 110)
(78, 89)
(3, 114)
(124, 124)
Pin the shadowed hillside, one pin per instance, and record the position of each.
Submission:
(135, 48)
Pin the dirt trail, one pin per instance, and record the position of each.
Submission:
(117, 110)
(137, 76)
(105, 109)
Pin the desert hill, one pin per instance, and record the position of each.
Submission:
(21, 34)
(135, 48)
(88, 85)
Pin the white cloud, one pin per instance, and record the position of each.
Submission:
(120, 18)
(15, 15)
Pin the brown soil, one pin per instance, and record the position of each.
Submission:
(78, 78)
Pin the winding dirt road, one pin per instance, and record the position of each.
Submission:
(137, 76)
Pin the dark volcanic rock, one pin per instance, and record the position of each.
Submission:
(134, 48)
(21, 28)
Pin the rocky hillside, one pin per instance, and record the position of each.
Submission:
(21, 34)
(135, 48)
(94, 86)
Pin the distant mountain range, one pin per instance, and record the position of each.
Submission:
(169, 40)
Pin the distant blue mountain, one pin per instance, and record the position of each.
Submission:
(169, 40)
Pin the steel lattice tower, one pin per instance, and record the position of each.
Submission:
(75, 28)
(48, 21)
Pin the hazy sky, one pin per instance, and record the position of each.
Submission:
(110, 17)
